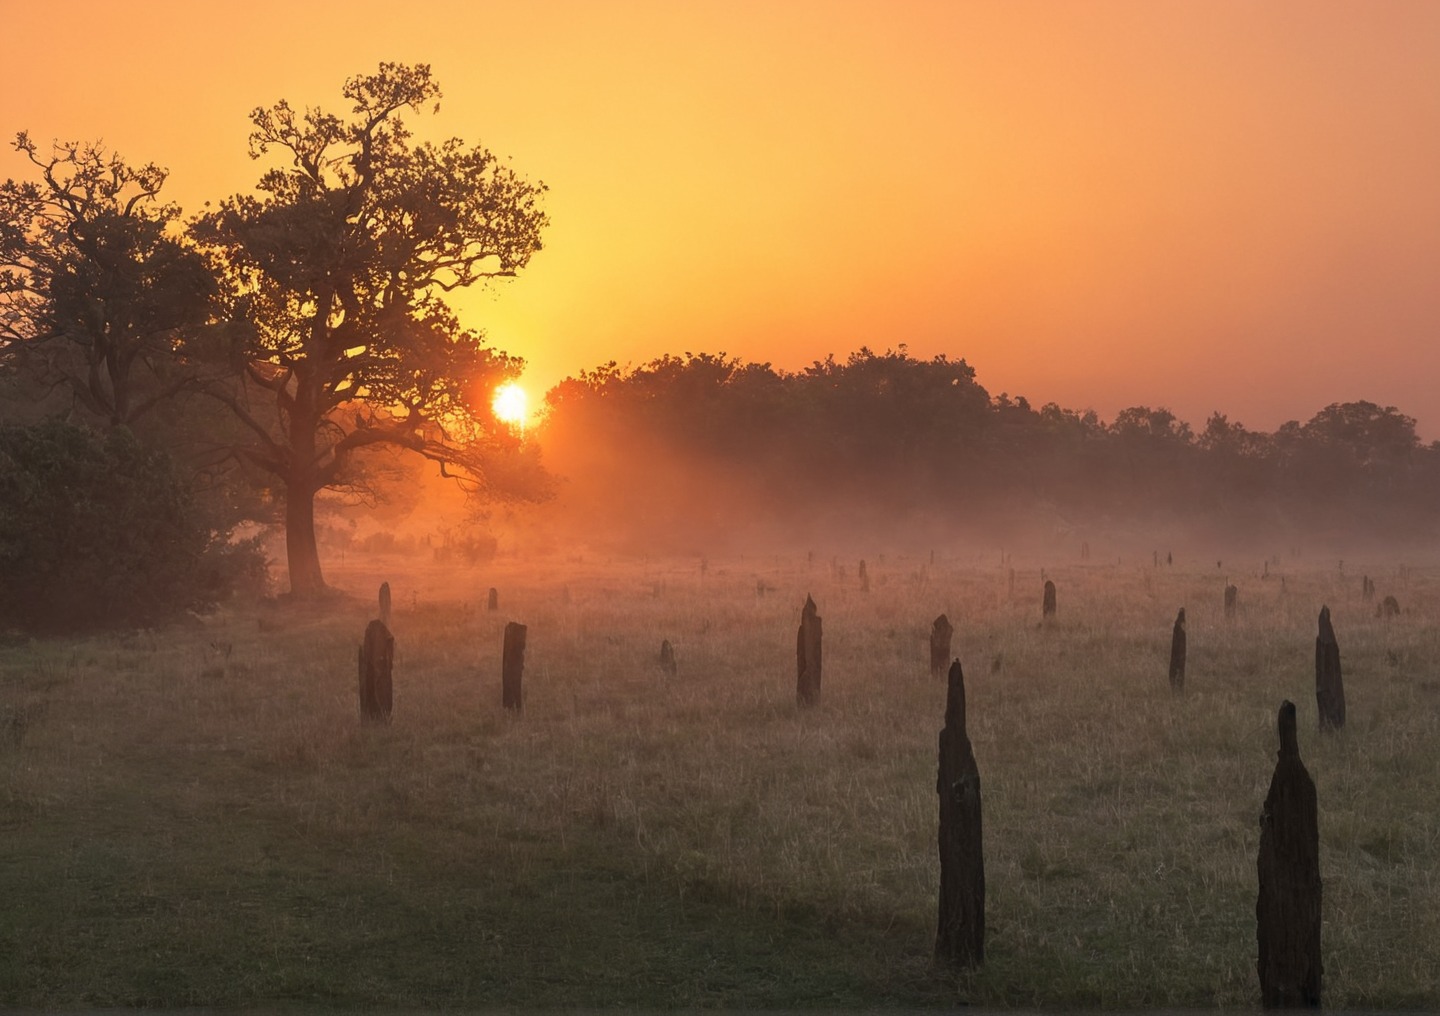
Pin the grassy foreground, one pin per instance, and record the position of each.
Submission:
(195, 817)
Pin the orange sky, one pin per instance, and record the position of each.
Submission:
(1200, 205)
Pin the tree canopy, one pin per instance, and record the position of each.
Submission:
(98, 292)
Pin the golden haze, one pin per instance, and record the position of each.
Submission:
(1216, 205)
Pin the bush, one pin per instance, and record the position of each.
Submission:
(98, 531)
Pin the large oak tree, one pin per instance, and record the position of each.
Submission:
(342, 258)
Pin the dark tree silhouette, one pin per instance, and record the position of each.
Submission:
(341, 264)
(97, 294)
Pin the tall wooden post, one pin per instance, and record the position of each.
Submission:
(377, 658)
(492, 599)
(385, 604)
(807, 656)
(1177, 653)
(1329, 687)
(960, 936)
(940, 633)
(1048, 606)
(512, 667)
(1287, 910)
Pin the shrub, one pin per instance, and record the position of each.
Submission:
(99, 531)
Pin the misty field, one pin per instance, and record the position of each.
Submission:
(196, 817)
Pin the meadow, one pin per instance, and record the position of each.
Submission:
(195, 816)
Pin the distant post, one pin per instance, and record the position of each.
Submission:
(377, 658)
(1329, 686)
(960, 936)
(667, 658)
(1287, 910)
(1048, 607)
(940, 633)
(492, 599)
(385, 604)
(807, 656)
(1231, 592)
(1177, 653)
(512, 667)
(864, 577)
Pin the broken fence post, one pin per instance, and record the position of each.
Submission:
(1287, 910)
(960, 934)
(1329, 686)
(377, 658)
(512, 667)
(1177, 653)
(807, 656)
(940, 632)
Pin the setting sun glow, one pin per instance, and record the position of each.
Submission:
(509, 405)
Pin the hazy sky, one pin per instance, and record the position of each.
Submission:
(1200, 205)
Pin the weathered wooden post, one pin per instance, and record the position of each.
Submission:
(512, 667)
(385, 604)
(377, 658)
(864, 577)
(807, 656)
(1048, 607)
(667, 658)
(960, 937)
(1231, 592)
(1287, 911)
(1177, 653)
(940, 632)
(492, 599)
(1329, 687)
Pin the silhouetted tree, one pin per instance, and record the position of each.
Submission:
(341, 262)
(97, 293)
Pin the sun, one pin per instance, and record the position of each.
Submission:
(509, 404)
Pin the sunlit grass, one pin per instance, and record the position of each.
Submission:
(196, 817)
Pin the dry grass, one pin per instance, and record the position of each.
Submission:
(195, 816)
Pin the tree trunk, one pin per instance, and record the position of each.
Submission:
(302, 553)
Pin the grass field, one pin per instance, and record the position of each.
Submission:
(195, 816)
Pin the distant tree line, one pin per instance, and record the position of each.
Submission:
(687, 449)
